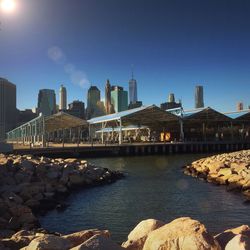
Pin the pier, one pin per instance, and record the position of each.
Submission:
(100, 150)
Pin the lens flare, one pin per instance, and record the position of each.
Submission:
(8, 5)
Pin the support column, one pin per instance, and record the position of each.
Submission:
(102, 133)
(181, 131)
(120, 132)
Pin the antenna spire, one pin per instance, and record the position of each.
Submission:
(132, 71)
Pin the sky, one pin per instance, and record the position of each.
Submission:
(173, 46)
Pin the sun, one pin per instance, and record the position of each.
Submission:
(8, 5)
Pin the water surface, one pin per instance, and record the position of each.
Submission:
(154, 188)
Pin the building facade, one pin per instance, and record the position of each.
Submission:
(240, 106)
(46, 102)
(199, 101)
(108, 97)
(62, 98)
(94, 97)
(8, 111)
(77, 108)
(133, 91)
(119, 99)
(171, 103)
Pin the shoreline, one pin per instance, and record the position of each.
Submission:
(229, 169)
(31, 186)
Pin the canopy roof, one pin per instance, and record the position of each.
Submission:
(205, 115)
(145, 115)
(243, 115)
(62, 120)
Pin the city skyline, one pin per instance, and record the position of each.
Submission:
(173, 46)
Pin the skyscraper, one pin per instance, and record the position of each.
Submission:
(199, 101)
(77, 108)
(119, 99)
(240, 106)
(46, 102)
(62, 98)
(93, 100)
(171, 98)
(108, 97)
(132, 90)
(8, 111)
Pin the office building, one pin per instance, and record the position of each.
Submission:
(108, 97)
(77, 108)
(240, 106)
(135, 105)
(132, 90)
(199, 101)
(94, 96)
(46, 102)
(171, 98)
(170, 104)
(8, 111)
(119, 99)
(62, 98)
(25, 116)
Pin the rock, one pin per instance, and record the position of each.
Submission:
(239, 242)
(78, 238)
(224, 237)
(215, 166)
(27, 165)
(98, 242)
(48, 242)
(185, 232)
(139, 234)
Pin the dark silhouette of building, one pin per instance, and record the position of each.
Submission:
(170, 104)
(94, 97)
(25, 116)
(76, 108)
(135, 105)
(46, 102)
(8, 111)
(199, 101)
(108, 105)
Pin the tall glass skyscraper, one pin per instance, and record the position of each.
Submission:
(199, 101)
(46, 102)
(8, 111)
(94, 97)
(119, 99)
(132, 91)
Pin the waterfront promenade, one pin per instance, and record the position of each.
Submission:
(127, 149)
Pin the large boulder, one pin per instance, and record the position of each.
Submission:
(224, 237)
(48, 242)
(78, 238)
(239, 242)
(181, 234)
(139, 234)
(98, 242)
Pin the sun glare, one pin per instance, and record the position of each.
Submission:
(8, 5)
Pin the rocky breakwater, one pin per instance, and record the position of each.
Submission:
(181, 234)
(31, 185)
(230, 169)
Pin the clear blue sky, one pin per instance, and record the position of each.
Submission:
(173, 45)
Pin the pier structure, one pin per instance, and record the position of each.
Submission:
(42, 129)
(146, 125)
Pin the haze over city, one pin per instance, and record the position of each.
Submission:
(172, 45)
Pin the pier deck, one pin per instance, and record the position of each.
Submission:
(100, 150)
